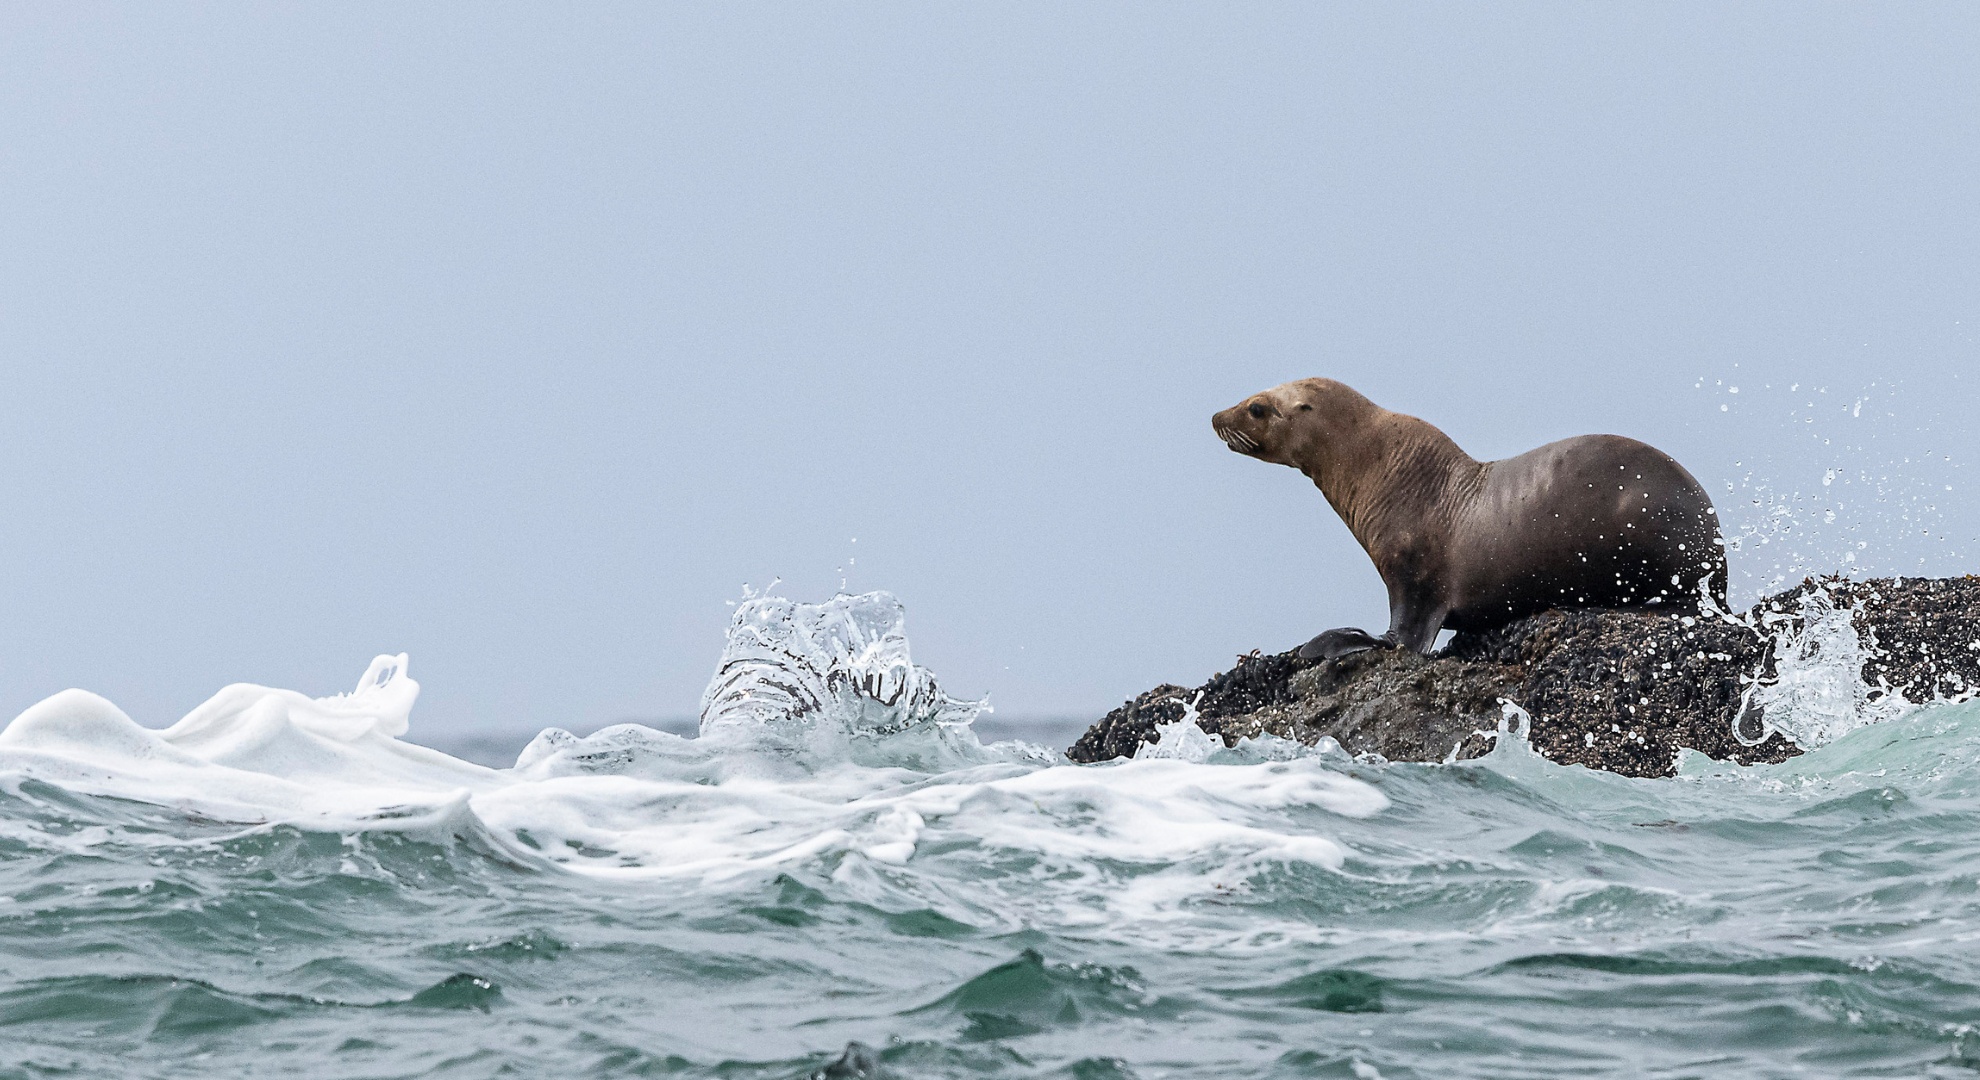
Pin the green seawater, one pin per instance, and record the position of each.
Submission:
(657, 907)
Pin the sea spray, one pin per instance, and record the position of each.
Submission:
(1182, 739)
(844, 661)
(1817, 693)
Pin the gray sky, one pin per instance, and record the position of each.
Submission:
(520, 337)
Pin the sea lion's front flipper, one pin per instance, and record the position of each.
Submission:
(1340, 642)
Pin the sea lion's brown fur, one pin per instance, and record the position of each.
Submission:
(1592, 521)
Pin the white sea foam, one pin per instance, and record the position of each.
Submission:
(250, 753)
(824, 749)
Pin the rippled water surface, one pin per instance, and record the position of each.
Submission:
(852, 884)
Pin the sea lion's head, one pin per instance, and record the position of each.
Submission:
(1295, 423)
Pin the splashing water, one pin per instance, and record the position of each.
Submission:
(838, 880)
(1854, 483)
(844, 661)
(1181, 739)
(1818, 694)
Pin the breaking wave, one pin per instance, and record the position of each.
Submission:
(838, 878)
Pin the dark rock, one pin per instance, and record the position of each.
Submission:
(1923, 635)
(1615, 690)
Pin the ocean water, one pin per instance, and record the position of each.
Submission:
(839, 878)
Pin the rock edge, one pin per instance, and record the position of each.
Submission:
(1616, 690)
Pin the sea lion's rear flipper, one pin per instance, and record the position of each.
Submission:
(1340, 642)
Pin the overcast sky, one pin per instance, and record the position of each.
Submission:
(519, 337)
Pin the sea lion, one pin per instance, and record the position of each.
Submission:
(1592, 521)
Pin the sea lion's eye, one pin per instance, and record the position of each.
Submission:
(1257, 411)
(1304, 407)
